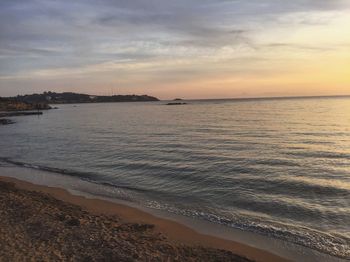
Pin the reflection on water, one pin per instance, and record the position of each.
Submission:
(277, 167)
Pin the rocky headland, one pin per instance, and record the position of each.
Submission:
(73, 98)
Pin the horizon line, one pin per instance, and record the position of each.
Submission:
(204, 99)
(266, 97)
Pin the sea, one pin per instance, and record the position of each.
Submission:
(275, 167)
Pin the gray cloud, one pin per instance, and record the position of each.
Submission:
(41, 34)
(298, 46)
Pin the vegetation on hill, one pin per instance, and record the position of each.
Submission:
(68, 97)
(42, 101)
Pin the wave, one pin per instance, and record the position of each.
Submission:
(321, 154)
(336, 245)
(279, 187)
(86, 176)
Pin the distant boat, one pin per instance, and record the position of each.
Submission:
(175, 104)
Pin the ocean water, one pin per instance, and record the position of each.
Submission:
(276, 167)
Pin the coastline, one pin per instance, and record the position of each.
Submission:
(176, 232)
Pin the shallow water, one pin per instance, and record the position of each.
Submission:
(279, 167)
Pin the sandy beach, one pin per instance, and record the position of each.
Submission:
(39, 222)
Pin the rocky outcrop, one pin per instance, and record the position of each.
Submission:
(20, 113)
(15, 105)
(4, 121)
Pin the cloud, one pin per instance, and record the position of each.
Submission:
(298, 46)
(63, 36)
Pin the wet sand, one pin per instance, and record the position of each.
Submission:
(45, 223)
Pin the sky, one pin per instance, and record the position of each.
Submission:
(182, 48)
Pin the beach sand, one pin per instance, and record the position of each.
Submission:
(44, 223)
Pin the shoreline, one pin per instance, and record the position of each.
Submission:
(176, 232)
